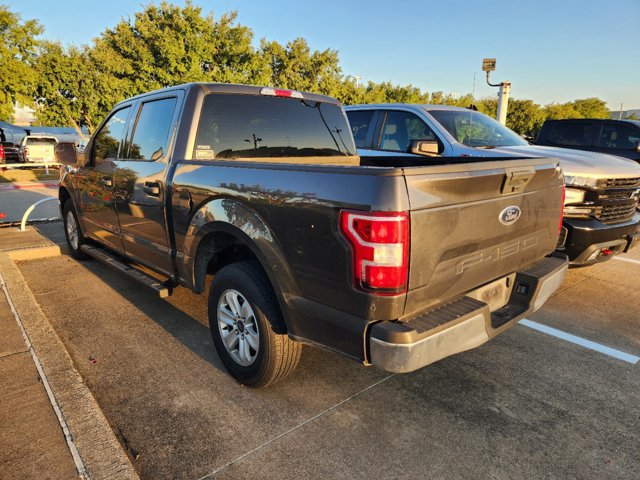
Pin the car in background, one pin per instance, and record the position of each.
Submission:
(615, 137)
(601, 213)
(9, 151)
(38, 149)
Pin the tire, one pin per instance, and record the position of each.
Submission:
(72, 232)
(243, 313)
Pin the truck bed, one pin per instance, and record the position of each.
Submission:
(457, 240)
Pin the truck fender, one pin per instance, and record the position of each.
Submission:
(233, 219)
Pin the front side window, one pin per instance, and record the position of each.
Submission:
(401, 129)
(571, 134)
(360, 122)
(249, 126)
(151, 132)
(476, 129)
(109, 138)
(618, 137)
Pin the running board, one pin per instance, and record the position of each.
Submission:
(163, 289)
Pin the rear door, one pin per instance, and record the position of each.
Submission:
(95, 180)
(140, 182)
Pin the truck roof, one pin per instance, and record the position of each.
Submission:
(608, 120)
(231, 88)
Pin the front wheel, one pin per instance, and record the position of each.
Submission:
(72, 231)
(243, 313)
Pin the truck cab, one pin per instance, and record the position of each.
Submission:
(604, 135)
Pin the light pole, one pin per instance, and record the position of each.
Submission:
(489, 65)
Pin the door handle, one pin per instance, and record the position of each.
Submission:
(106, 181)
(151, 189)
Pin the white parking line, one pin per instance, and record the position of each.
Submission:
(612, 352)
(630, 260)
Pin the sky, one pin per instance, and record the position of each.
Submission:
(550, 51)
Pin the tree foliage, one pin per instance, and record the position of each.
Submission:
(18, 47)
(165, 45)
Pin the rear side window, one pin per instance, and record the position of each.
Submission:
(360, 122)
(618, 137)
(571, 134)
(108, 140)
(151, 133)
(247, 126)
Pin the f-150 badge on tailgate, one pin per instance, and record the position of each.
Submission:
(510, 215)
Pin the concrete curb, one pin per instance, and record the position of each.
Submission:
(36, 253)
(96, 444)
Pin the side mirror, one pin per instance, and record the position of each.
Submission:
(425, 147)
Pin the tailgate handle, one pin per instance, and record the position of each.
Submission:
(515, 181)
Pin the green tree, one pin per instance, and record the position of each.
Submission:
(560, 110)
(18, 49)
(525, 117)
(591, 108)
(68, 90)
(296, 67)
(166, 45)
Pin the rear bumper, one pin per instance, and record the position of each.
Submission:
(584, 238)
(463, 324)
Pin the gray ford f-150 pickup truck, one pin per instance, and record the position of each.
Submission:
(260, 192)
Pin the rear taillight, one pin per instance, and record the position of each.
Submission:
(3, 156)
(26, 151)
(380, 246)
(564, 193)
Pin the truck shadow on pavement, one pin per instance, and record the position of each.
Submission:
(182, 325)
(184, 316)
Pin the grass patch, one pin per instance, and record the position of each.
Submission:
(28, 175)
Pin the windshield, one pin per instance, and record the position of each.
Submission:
(476, 129)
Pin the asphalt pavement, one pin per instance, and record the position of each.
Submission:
(525, 405)
(14, 202)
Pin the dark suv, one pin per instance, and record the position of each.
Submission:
(616, 137)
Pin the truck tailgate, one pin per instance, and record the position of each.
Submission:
(465, 231)
(42, 152)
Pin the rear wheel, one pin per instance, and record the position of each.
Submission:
(243, 313)
(72, 231)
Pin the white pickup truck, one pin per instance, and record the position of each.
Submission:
(38, 149)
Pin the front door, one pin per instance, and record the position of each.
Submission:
(96, 180)
(140, 185)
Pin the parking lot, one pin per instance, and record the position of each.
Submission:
(525, 405)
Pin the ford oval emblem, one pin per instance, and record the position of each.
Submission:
(510, 215)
